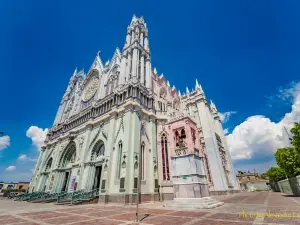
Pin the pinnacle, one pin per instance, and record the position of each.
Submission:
(187, 90)
(197, 84)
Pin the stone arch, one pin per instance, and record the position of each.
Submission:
(68, 156)
(98, 151)
(48, 164)
(112, 79)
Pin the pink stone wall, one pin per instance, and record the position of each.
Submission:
(188, 125)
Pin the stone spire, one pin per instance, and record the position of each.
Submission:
(179, 94)
(173, 87)
(168, 83)
(155, 71)
(213, 106)
(187, 90)
(198, 87)
(137, 52)
(75, 72)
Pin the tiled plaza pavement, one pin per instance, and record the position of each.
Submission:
(23, 213)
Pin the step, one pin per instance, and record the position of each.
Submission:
(197, 203)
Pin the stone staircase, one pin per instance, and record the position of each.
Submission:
(196, 203)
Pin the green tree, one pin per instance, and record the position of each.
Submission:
(276, 174)
(264, 176)
(289, 160)
(296, 136)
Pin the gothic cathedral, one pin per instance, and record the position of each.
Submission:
(121, 126)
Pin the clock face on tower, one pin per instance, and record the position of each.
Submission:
(90, 88)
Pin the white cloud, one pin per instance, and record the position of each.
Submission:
(24, 157)
(224, 117)
(226, 131)
(258, 135)
(4, 142)
(37, 135)
(10, 168)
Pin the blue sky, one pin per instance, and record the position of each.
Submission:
(245, 54)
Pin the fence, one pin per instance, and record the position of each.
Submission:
(289, 186)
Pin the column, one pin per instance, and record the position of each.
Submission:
(137, 63)
(86, 178)
(146, 44)
(141, 39)
(134, 63)
(122, 74)
(110, 145)
(128, 69)
(57, 182)
(232, 176)
(148, 74)
(142, 70)
(91, 177)
(127, 40)
(215, 164)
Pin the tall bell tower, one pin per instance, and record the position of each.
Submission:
(136, 60)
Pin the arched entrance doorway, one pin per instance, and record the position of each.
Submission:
(97, 156)
(66, 162)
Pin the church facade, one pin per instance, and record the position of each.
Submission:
(121, 126)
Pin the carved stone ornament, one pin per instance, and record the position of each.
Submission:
(81, 141)
(90, 89)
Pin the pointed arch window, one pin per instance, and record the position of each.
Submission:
(165, 157)
(119, 165)
(98, 151)
(69, 156)
(49, 164)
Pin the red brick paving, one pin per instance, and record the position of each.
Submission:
(65, 219)
(11, 220)
(229, 216)
(217, 222)
(156, 211)
(43, 216)
(98, 222)
(109, 214)
(166, 220)
(188, 213)
(103, 213)
(126, 216)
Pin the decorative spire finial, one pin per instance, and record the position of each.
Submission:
(197, 84)
(187, 90)
(75, 71)
(155, 71)
(179, 94)
(168, 83)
